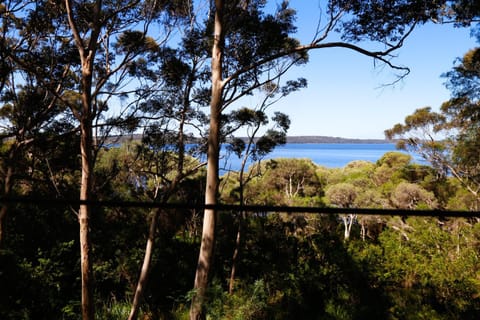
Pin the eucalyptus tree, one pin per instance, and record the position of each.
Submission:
(92, 27)
(256, 41)
(30, 109)
(117, 22)
(172, 118)
(412, 196)
(101, 47)
(343, 195)
(30, 123)
(255, 146)
(242, 36)
(448, 139)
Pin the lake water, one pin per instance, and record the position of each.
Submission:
(331, 155)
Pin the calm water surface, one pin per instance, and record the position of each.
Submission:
(331, 155)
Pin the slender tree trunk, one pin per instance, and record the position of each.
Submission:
(87, 50)
(84, 214)
(363, 230)
(348, 221)
(3, 222)
(236, 253)
(209, 221)
(3, 219)
(84, 221)
(205, 257)
(238, 239)
(143, 278)
(147, 259)
(345, 227)
(8, 184)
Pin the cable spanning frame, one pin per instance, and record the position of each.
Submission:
(246, 208)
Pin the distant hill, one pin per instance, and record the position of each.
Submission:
(325, 139)
(290, 139)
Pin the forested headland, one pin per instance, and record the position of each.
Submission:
(328, 139)
(289, 139)
(92, 227)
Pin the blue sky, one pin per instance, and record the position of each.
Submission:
(345, 96)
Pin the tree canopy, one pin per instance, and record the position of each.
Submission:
(76, 74)
(448, 139)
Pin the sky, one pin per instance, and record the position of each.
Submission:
(346, 94)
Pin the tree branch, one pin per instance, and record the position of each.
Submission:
(76, 34)
(317, 44)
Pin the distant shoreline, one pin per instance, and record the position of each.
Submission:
(327, 139)
(290, 139)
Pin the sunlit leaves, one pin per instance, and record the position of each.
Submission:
(288, 180)
(435, 264)
(412, 196)
(423, 120)
(448, 139)
(464, 78)
(131, 41)
(342, 195)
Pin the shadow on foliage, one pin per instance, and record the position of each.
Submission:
(306, 267)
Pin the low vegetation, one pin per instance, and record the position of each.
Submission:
(290, 266)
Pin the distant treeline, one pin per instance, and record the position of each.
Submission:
(326, 139)
(290, 139)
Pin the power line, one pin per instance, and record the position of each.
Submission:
(245, 208)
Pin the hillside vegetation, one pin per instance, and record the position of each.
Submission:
(289, 266)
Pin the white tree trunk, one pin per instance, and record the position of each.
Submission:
(205, 257)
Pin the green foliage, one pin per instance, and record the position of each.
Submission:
(292, 266)
(118, 310)
(134, 42)
(342, 195)
(38, 277)
(463, 200)
(448, 139)
(246, 303)
(285, 181)
(255, 146)
(434, 266)
(412, 196)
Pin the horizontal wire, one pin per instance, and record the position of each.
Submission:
(245, 208)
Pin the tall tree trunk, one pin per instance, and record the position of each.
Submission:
(86, 185)
(85, 116)
(84, 221)
(205, 257)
